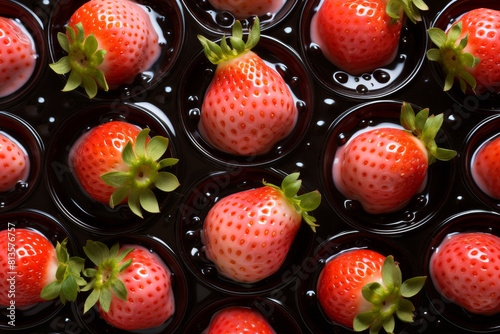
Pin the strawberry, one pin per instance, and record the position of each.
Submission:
(243, 9)
(248, 234)
(363, 289)
(485, 168)
(384, 168)
(14, 161)
(116, 160)
(131, 286)
(247, 108)
(38, 271)
(464, 269)
(359, 36)
(17, 56)
(108, 43)
(470, 51)
(235, 320)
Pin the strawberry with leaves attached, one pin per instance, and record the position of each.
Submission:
(248, 234)
(41, 272)
(359, 36)
(116, 161)
(363, 289)
(108, 43)
(248, 107)
(470, 51)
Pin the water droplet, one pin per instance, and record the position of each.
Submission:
(362, 89)
(224, 19)
(282, 70)
(194, 114)
(381, 76)
(301, 106)
(366, 77)
(341, 77)
(310, 294)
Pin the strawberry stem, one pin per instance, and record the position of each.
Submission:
(451, 56)
(290, 186)
(144, 174)
(217, 54)
(412, 9)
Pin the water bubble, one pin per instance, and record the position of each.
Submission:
(381, 76)
(362, 89)
(340, 77)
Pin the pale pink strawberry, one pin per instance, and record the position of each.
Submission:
(131, 285)
(14, 163)
(17, 56)
(243, 9)
(248, 234)
(248, 107)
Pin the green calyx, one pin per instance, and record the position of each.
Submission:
(218, 54)
(412, 9)
(144, 174)
(81, 62)
(103, 278)
(452, 57)
(68, 280)
(388, 299)
(425, 128)
(290, 187)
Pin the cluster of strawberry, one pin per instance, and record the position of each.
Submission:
(247, 110)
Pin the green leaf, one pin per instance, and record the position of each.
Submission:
(167, 162)
(91, 300)
(363, 321)
(119, 289)
(89, 272)
(51, 290)
(98, 76)
(123, 254)
(405, 311)
(114, 250)
(148, 201)
(407, 117)
(376, 327)
(292, 189)
(125, 265)
(254, 35)
(166, 182)
(421, 118)
(89, 85)
(140, 142)
(289, 180)
(62, 66)
(63, 42)
(455, 32)
(373, 292)
(80, 33)
(310, 201)
(115, 179)
(437, 36)
(389, 324)
(134, 203)
(94, 251)
(75, 79)
(433, 54)
(70, 288)
(128, 154)
(392, 9)
(71, 34)
(412, 286)
(118, 196)
(391, 274)
(105, 300)
(445, 154)
(156, 147)
(90, 46)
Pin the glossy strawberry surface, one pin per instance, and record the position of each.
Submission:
(14, 162)
(485, 168)
(238, 320)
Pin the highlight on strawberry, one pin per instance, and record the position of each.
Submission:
(248, 234)
(243, 9)
(108, 43)
(43, 272)
(117, 162)
(362, 289)
(469, 52)
(248, 107)
(17, 56)
(131, 286)
(464, 269)
(358, 38)
(238, 319)
(384, 167)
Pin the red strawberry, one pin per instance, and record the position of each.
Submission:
(362, 288)
(131, 285)
(17, 56)
(359, 36)
(248, 234)
(14, 162)
(464, 269)
(485, 168)
(36, 270)
(384, 168)
(236, 320)
(243, 9)
(470, 51)
(248, 108)
(116, 161)
(108, 42)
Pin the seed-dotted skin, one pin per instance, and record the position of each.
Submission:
(485, 168)
(127, 29)
(98, 152)
(248, 234)
(341, 280)
(243, 9)
(35, 266)
(14, 164)
(150, 300)
(483, 29)
(17, 57)
(356, 35)
(247, 108)
(236, 320)
(465, 268)
(382, 169)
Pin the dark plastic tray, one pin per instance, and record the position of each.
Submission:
(168, 100)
